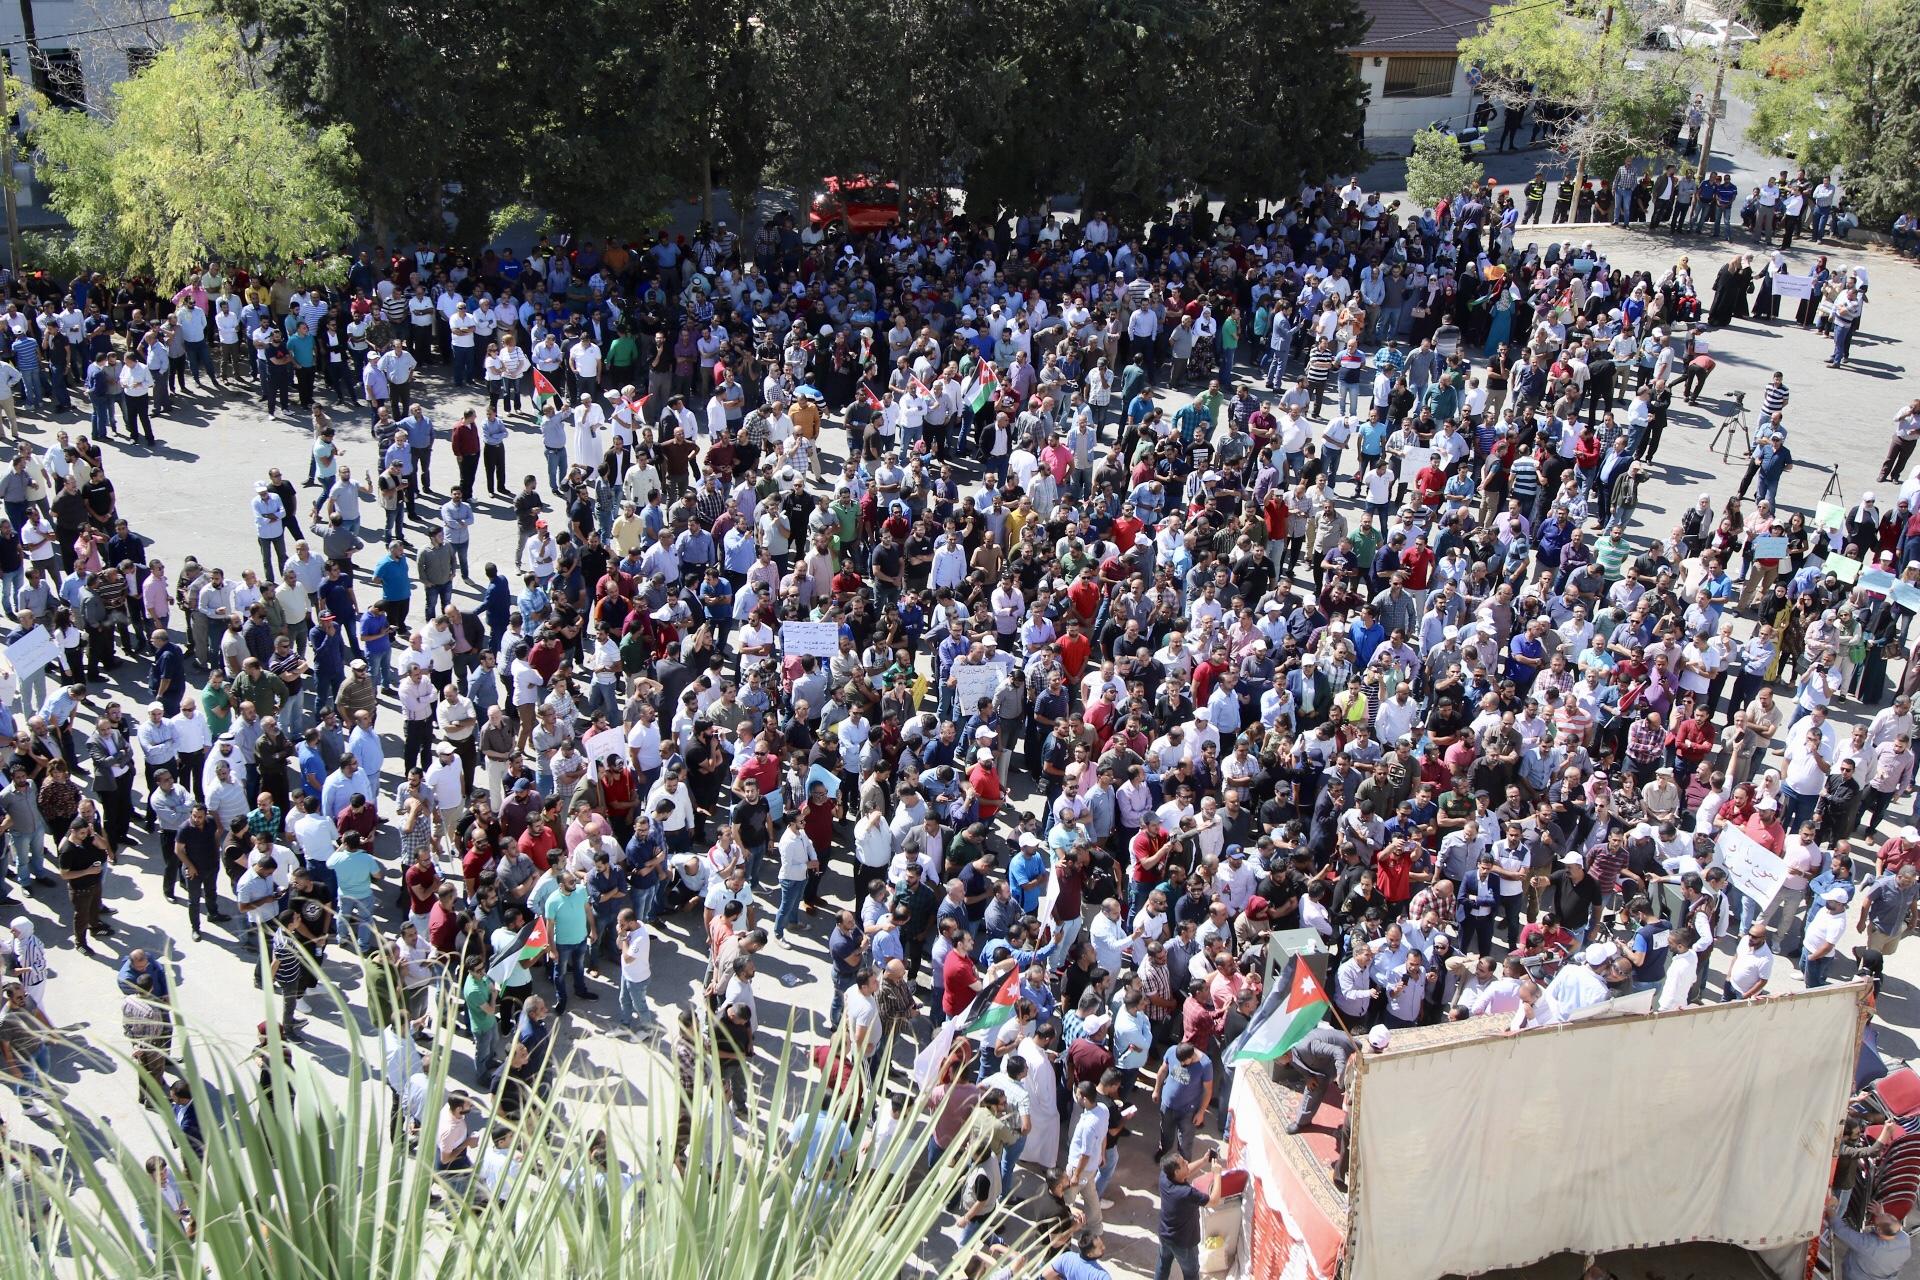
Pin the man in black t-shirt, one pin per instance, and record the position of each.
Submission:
(83, 860)
(751, 818)
(1180, 1206)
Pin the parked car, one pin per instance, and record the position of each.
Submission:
(862, 203)
(1705, 36)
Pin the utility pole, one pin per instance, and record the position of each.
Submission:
(1593, 105)
(1713, 103)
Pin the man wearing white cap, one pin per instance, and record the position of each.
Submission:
(1900, 851)
(1824, 930)
(1578, 985)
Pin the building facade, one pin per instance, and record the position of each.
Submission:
(1410, 63)
(79, 50)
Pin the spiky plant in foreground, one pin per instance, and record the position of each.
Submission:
(299, 1180)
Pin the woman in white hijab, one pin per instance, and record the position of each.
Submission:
(29, 960)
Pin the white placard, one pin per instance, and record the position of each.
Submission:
(1786, 286)
(1412, 462)
(1754, 869)
(970, 684)
(601, 747)
(820, 639)
(605, 744)
(32, 651)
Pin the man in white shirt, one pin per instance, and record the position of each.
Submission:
(269, 526)
(1683, 967)
(1825, 928)
(398, 366)
(1752, 965)
(1579, 985)
(584, 359)
(1807, 766)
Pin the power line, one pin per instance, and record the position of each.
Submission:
(94, 31)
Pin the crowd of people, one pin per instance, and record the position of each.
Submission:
(1184, 584)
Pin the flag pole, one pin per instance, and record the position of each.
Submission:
(1334, 1009)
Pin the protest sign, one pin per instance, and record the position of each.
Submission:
(801, 639)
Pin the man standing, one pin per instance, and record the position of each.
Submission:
(1086, 1152)
(1878, 1253)
(1887, 907)
(1180, 1206)
(1183, 1088)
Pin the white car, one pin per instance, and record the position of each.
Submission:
(1705, 36)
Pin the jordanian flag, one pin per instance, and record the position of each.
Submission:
(1292, 1009)
(533, 944)
(542, 387)
(991, 1008)
(983, 386)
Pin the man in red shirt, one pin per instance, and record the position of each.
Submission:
(1126, 528)
(1393, 875)
(960, 982)
(538, 841)
(984, 781)
(1209, 669)
(1084, 596)
(1902, 850)
(1417, 562)
(1692, 742)
(1432, 484)
(423, 881)
(1147, 858)
(620, 795)
(443, 921)
(1074, 648)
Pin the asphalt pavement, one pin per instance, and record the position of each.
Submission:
(191, 495)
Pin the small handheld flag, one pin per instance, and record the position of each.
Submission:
(993, 1006)
(542, 388)
(532, 945)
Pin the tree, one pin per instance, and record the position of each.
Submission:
(1269, 132)
(1841, 90)
(451, 127)
(190, 162)
(1436, 170)
(1133, 104)
(1583, 72)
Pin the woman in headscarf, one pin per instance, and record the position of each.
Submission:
(1730, 288)
(1766, 303)
(29, 960)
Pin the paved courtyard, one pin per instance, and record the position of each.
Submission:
(191, 495)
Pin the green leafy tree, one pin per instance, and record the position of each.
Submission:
(452, 120)
(1842, 90)
(1605, 97)
(1270, 131)
(1437, 170)
(1133, 104)
(190, 161)
(399, 84)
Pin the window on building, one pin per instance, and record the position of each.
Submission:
(140, 57)
(1419, 77)
(65, 87)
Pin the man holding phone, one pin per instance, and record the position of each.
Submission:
(83, 861)
(1180, 1206)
